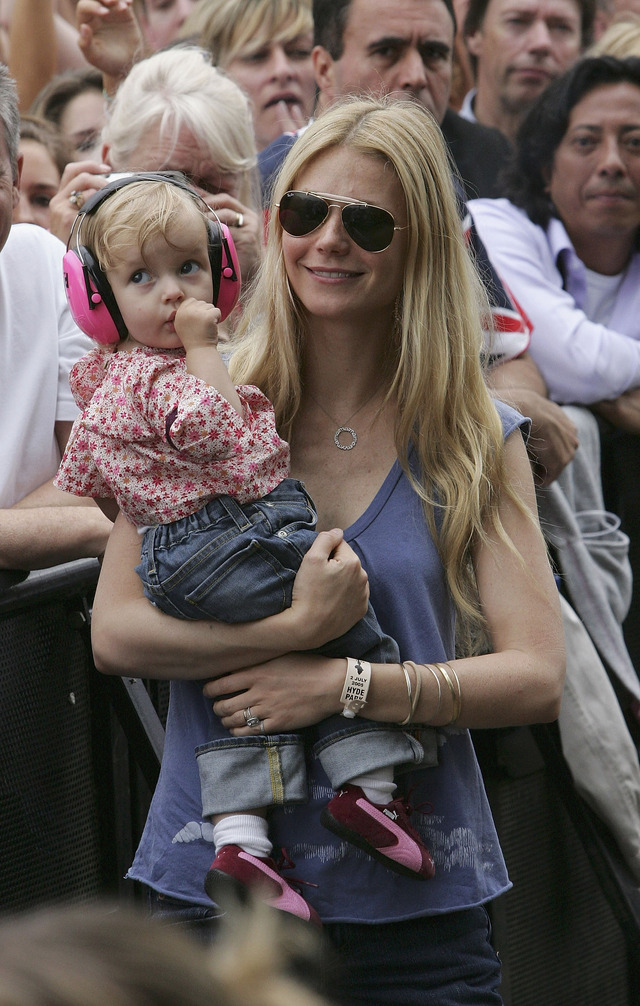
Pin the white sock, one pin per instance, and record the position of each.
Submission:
(246, 830)
(377, 785)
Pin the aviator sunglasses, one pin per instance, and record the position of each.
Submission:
(371, 227)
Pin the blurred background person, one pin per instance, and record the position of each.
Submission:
(265, 46)
(620, 39)
(517, 48)
(161, 20)
(104, 954)
(75, 104)
(175, 111)
(44, 157)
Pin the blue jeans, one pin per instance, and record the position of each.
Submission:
(436, 960)
(235, 563)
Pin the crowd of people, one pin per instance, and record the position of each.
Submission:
(362, 279)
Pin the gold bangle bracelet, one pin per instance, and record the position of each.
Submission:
(456, 695)
(418, 688)
(431, 668)
(407, 678)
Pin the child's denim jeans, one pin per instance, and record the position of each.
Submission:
(237, 563)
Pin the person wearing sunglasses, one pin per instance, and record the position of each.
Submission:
(366, 315)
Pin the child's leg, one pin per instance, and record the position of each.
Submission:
(248, 831)
(378, 785)
(243, 863)
(359, 758)
(382, 830)
(236, 773)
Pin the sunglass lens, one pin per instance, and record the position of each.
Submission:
(369, 226)
(300, 213)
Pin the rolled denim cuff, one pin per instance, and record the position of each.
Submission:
(244, 773)
(347, 754)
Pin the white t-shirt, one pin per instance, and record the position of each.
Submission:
(601, 296)
(39, 343)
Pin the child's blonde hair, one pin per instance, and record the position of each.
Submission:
(135, 215)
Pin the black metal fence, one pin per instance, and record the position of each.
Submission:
(79, 756)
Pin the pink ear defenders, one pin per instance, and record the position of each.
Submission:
(93, 306)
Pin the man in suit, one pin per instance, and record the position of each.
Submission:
(405, 49)
(517, 48)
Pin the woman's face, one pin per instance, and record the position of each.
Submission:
(81, 123)
(331, 275)
(595, 177)
(39, 183)
(158, 153)
(161, 20)
(278, 78)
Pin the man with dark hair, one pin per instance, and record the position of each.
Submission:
(406, 49)
(39, 526)
(566, 237)
(517, 48)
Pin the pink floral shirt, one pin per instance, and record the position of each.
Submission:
(163, 442)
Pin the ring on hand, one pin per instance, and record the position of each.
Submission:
(239, 219)
(76, 198)
(262, 726)
(250, 719)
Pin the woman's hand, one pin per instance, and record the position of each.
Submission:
(80, 179)
(287, 693)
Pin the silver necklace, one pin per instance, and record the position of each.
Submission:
(345, 428)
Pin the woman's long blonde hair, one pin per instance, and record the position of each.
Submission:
(444, 411)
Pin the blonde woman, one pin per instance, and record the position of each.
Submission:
(620, 39)
(265, 46)
(367, 317)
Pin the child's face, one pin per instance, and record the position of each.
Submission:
(150, 290)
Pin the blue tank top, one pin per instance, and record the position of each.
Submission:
(453, 814)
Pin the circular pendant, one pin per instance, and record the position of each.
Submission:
(345, 447)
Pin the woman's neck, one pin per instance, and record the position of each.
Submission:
(343, 364)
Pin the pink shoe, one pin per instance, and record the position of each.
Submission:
(382, 830)
(235, 870)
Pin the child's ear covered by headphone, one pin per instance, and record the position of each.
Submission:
(91, 301)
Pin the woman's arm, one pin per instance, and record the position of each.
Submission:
(520, 682)
(130, 636)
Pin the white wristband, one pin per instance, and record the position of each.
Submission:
(356, 687)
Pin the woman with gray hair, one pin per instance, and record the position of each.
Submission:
(175, 111)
